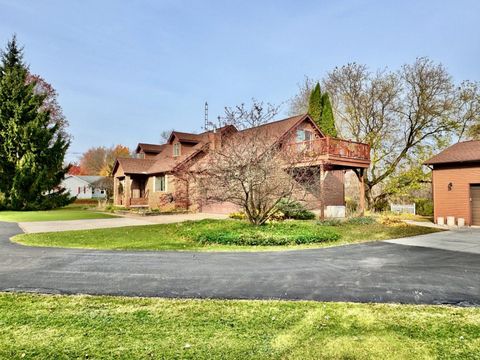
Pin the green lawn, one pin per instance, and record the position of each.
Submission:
(80, 327)
(67, 213)
(184, 236)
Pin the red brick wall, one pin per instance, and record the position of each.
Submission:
(334, 195)
(333, 189)
(455, 202)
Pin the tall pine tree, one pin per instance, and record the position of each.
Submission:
(32, 149)
(327, 122)
(320, 109)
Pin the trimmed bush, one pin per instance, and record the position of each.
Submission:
(267, 235)
(294, 210)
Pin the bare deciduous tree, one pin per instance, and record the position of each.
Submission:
(250, 169)
(298, 104)
(404, 115)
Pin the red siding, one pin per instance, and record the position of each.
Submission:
(454, 202)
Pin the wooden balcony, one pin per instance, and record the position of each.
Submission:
(330, 150)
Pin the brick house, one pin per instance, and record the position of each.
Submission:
(456, 182)
(155, 178)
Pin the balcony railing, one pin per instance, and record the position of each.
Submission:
(331, 148)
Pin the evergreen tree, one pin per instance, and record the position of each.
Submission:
(315, 104)
(32, 149)
(320, 109)
(327, 122)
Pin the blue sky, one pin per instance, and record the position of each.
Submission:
(126, 70)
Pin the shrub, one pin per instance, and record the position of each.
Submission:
(424, 207)
(266, 235)
(351, 206)
(362, 220)
(294, 210)
(390, 220)
(381, 205)
(329, 222)
(237, 216)
(92, 202)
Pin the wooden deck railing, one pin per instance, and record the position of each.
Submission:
(331, 147)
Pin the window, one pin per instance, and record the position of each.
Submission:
(304, 135)
(176, 149)
(160, 183)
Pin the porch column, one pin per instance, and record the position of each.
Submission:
(322, 196)
(362, 192)
(115, 191)
(127, 192)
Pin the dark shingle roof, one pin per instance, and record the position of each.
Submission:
(467, 151)
(151, 148)
(164, 161)
(135, 166)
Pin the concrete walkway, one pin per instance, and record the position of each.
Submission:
(466, 240)
(54, 226)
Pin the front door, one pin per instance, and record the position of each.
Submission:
(475, 203)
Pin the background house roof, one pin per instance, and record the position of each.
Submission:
(467, 151)
(87, 178)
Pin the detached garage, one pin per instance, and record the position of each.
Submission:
(456, 183)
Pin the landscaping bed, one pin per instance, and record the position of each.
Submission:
(226, 235)
(93, 327)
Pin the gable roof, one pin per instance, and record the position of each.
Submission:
(164, 161)
(133, 165)
(467, 151)
(151, 148)
(277, 129)
(89, 179)
(186, 137)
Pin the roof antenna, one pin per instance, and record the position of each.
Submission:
(206, 116)
(208, 125)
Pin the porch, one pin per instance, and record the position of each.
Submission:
(131, 190)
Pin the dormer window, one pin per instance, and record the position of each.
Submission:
(176, 149)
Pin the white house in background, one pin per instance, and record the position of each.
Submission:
(82, 187)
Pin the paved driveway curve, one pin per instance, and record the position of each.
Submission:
(369, 272)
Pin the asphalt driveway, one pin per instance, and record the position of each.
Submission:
(369, 272)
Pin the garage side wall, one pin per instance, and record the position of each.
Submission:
(456, 200)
